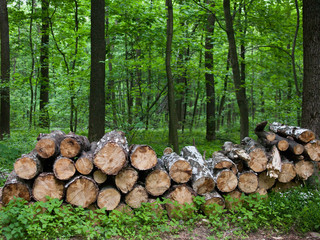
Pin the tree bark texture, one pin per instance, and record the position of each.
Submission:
(97, 75)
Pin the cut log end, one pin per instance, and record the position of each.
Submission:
(70, 147)
(46, 184)
(282, 145)
(81, 191)
(84, 165)
(111, 158)
(137, 196)
(248, 182)
(143, 157)
(203, 185)
(46, 147)
(227, 181)
(212, 200)
(307, 136)
(64, 168)
(99, 176)
(15, 189)
(181, 171)
(259, 160)
(126, 179)
(265, 182)
(157, 182)
(26, 168)
(108, 198)
(313, 150)
(304, 169)
(287, 173)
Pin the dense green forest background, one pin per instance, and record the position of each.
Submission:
(268, 39)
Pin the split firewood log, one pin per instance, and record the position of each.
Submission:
(265, 181)
(248, 182)
(46, 184)
(300, 134)
(136, 196)
(72, 145)
(225, 180)
(15, 187)
(211, 199)
(202, 180)
(143, 157)
(48, 144)
(304, 169)
(179, 169)
(235, 200)
(108, 198)
(28, 166)
(99, 177)
(274, 165)
(158, 181)
(81, 191)
(288, 171)
(220, 161)
(126, 179)
(111, 153)
(312, 150)
(64, 168)
(257, 153)
(179, 196)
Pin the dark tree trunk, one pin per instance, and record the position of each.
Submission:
(239, 86)
(173, 133)
(32, 65)
(44, 121)
(5, 71)
(311, 59)
(210, 91)
(97, 79)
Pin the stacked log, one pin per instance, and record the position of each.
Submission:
(109, 174)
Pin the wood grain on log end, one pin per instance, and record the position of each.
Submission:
(126, 179)
(227, 181)
(84, 164)
(64, 168)
(70, 147)
(81, 191)
(157, 182)
(313, 150)
(259, 160)
(15, 189)
(46, 147)
(143, 157)
(181, 171)
(99, 176)
(203, 185)
(304, 169)
(137, 196)
(46, 184)
(265, 181)
(108, 198)
(248, 182)
(111, 158)
(27, 167)
(287, 172)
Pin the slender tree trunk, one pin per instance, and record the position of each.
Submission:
(240, 88)
(97, 79)
(173, 133)
(44, 120)
(5, 71)
(210, 84)
(32, 66)
(311, 62)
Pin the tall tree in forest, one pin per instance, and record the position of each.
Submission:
(311, 62)
(173, 120)
(210, 88)
(240, 88)
(5, 71)
(44, 121)
(97, 77)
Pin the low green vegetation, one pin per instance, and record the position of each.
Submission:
(296, 209)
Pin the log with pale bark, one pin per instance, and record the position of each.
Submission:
(72, 145)
(280, 142)
(81, 191)
(211, 200)
(179, 196)
(64, 168)
(288, 171)
(257, 153)
(312, 150)
(136, 196)
(304, 169)
(225, 180)
(99, 177)
(220, 161)
(48, 144)
(15, 187)
(143, 157)
(111, 153)
(46, 184)
(300, 134)
(248, 182)
(158, 181)
(28, 166)
(108, 198)
(126, 179)
(179, 169)
(274, 164)
(202, 180)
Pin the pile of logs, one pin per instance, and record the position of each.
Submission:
(110, 174)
